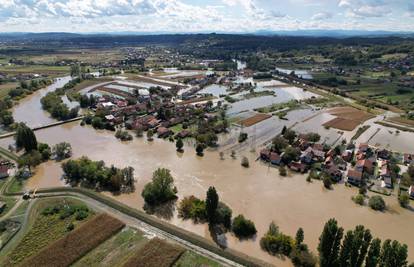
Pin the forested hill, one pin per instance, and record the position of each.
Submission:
(217, 40)
(224, 46)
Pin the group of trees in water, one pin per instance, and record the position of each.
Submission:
(53, 103)
(95, 174)
(161, 190)
(35, 152)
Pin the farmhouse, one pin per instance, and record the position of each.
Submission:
(265, 154)
(184, 134)
(275, 158)
(384, 154)
(354, 177)
(163, 132)
(365, 165)
(385, 175)
(347, 155)
(334, 172)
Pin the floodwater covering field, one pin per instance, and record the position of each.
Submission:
(281, 95)
(257, 192)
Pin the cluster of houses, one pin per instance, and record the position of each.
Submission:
(310, 153)
(355, 164)
(155, 112)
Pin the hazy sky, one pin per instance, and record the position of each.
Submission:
(204, 16)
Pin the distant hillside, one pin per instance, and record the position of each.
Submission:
(224, 44)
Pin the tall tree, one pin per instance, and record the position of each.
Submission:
(300, 236)
(361, 245)
(179, 145)
(374, 252)
(355, 247)
(393, 254)
(346, 249)
(212, 201)
(329, 244)
(25, 138)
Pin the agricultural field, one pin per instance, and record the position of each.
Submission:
(347, 118)
(156, 253)
(77, 243)
(254, 119)
(6, 87)
(45, 57)
(52, 71)
(115, 250)
(50, 222)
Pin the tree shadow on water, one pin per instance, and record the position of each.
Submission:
(164, 211)
(218, 234)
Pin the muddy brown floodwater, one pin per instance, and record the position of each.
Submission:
(257, 192)
(29, 109)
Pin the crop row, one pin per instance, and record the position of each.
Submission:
(77, 243)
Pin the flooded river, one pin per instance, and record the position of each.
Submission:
(257, 192)
(29, 109)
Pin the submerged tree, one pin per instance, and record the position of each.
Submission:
(179, 145)
(161, 189)
(212, 201)
(25, 138)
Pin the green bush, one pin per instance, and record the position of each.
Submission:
(243, 228)
(404, 199)
(223, 215)
(359, 199)
(377, 203)
(282, 171)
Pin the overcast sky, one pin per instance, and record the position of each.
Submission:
(204, 16)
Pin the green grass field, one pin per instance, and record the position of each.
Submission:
(17, 185)
(36, 69)
(10, 202)
(5, 88)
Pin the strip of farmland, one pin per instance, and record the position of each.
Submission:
(255, 119)
(156, 253)
(77, 243)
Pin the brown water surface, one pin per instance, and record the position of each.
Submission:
(257, 192)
